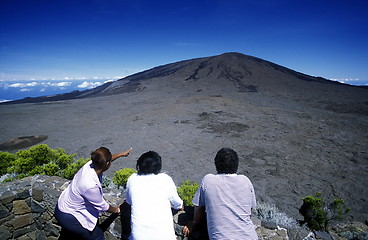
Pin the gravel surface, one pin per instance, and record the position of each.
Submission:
(294, 135)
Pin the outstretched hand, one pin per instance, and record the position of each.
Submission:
(126, 153)
(121, 154)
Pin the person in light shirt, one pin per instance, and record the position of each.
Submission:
(80, 204)
(226, 200)
(151, 195)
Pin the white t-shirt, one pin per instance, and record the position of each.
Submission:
(228, 199)
(152, 197)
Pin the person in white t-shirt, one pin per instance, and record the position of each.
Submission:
(151, 195)
(226, 199)
(79, 205)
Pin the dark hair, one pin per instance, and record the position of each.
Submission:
(100, 157)
(149, 162)
(226, 161)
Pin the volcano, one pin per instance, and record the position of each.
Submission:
(295, 134)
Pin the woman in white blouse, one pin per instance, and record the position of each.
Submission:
(151, 195)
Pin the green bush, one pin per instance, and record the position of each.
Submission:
(318, 213)
(186, 192)
(73, 168)
(121, 177)
(5, 159)
(40, 159)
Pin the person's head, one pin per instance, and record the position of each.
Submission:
(101, 158)
(226, 161)
(149, 162)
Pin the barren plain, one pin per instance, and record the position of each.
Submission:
(295, 134)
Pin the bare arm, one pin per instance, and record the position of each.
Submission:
(121, 154)
(199, 212)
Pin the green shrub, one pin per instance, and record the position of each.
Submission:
(186, 192)
(121, 177)
(5, 159)
(318, 213)
(39, 159)
(73, 168)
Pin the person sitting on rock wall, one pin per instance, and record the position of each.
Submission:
(151, 194)
(79, 205)
(226, 199)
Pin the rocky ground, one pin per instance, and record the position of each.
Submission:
(293, 139)
(27, 212)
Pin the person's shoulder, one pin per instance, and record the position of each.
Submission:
(131, 180)
(164, 175)
(133, 176)
(208, 177)
(243, 177)
(87, 166)
(86, 172)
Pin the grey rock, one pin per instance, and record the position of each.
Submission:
(23, 194)
(323, 235)
(21, 231)
(36, 207)
(41, 235)
(37, 194)
(5, 233)
(4, 212)
(269, 224)
(6, 196)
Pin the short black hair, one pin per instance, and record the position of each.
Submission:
(149, 162)
(100, 157)
(226, 161)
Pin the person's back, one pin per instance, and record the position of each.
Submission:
(80, 204)
(151, 195)
(228, 199)
(85, 183)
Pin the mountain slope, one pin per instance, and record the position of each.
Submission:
(238, 76)
(240, 70)
(295, 134)
(228, 75)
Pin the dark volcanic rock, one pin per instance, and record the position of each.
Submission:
(21, 142)
(295, 134)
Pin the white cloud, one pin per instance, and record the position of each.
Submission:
(34, 84)
(23, 85)
(57, 84)
(351, 81)
(343, 80)
(45, 85)
(89, 85)
(25, 90)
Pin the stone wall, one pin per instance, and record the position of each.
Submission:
(27, 213)
(27, 208)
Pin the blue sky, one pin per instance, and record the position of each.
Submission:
(58, 39)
